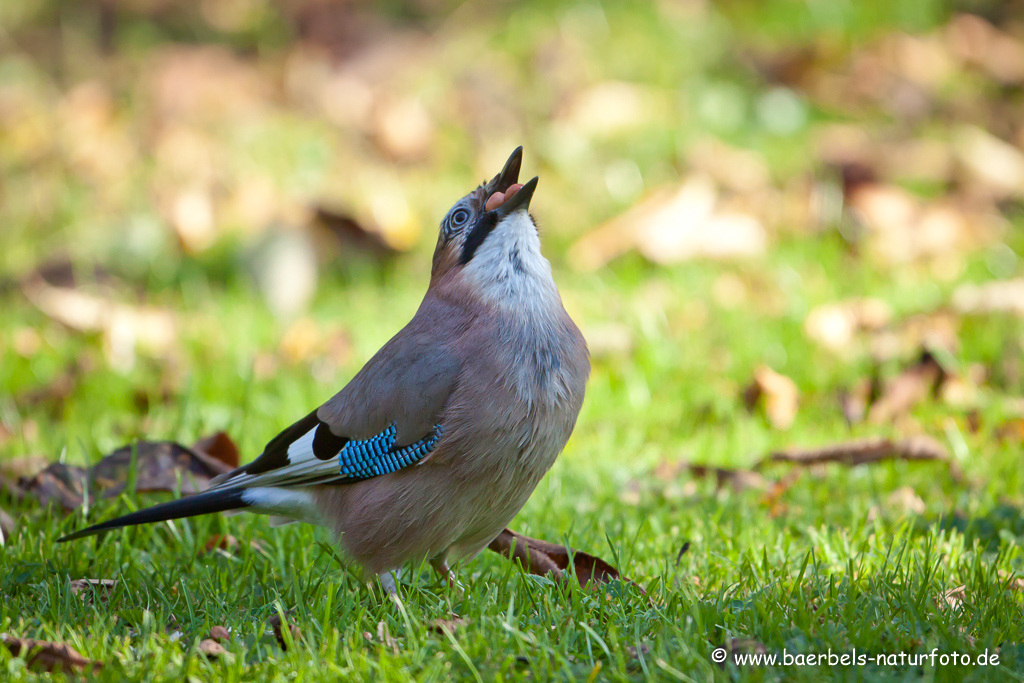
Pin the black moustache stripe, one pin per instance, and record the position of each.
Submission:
(484, 226)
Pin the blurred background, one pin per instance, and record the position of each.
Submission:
(213, 212)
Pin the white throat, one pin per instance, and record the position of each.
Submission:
(510, 272)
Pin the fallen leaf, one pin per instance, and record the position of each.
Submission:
(227, 543)
(1001, 296)
(742, 646)
(672, 226)
(220, 634)
(906, 500)
(87, 589)
(384, 636)
(58, 483)
(777, 393)
(953, 598)
(448, 625)
(402, 128)
(214, 650)
(910, 387)
(220, 447)
(854, 402)
(354, 237)
(124, 327)
(23, 467)
(835, 325)
(159, 466)
(542, 558)
(1011, 430)
(43, 655)
(736, 479)
(977, 42)
(294, 632)
(994, 164)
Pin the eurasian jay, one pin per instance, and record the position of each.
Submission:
(437, 443)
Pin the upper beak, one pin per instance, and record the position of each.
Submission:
(509, 174)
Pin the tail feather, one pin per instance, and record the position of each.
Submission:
(199, 504)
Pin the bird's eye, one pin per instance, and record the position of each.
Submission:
(459, 218)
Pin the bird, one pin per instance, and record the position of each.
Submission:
(435, 445)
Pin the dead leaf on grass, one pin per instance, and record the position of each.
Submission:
(1000, 296)
(220, 634)
(159, 466)
(214, 650)
(448, 625)
(742, 646)
(228, 543)
(87, 589)
(953, 598)
(294, 633)
(778, 394)
(542, 558)
(910, 387)
(43, 655)
(673, 226)
(124, 327)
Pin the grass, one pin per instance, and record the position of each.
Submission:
(835, 563)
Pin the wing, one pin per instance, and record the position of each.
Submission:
(387, 418)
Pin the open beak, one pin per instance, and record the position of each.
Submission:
(520, 201)
(508, 177)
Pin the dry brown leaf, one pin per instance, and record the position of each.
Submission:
(910, 387)
(448, 625)
(976, 41)
(1001, 296)
(158, 467)
(742, 646)
(23, 467)
(227, 543)
(835, 325)
(735, 479)
(672, 226)
(124, 327)
(353, 237)
(213, 650)
(402, 128)
(279, 631)
(906, 500)
(953, 598)
(220, 634)
(220, 447)
(86, 589)
(1011, 430)
(384, 636)
(994, 165)
(542, 558)
(777, 393)
(43, 655)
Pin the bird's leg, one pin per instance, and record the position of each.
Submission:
(440, 565)
(387, 582)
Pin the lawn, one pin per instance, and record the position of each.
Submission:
(897, 556)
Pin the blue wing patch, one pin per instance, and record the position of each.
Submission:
(377, 455)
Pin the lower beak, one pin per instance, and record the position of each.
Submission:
(520, 201)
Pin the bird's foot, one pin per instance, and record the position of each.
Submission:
(440, 565)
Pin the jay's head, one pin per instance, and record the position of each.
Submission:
(491, 220)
